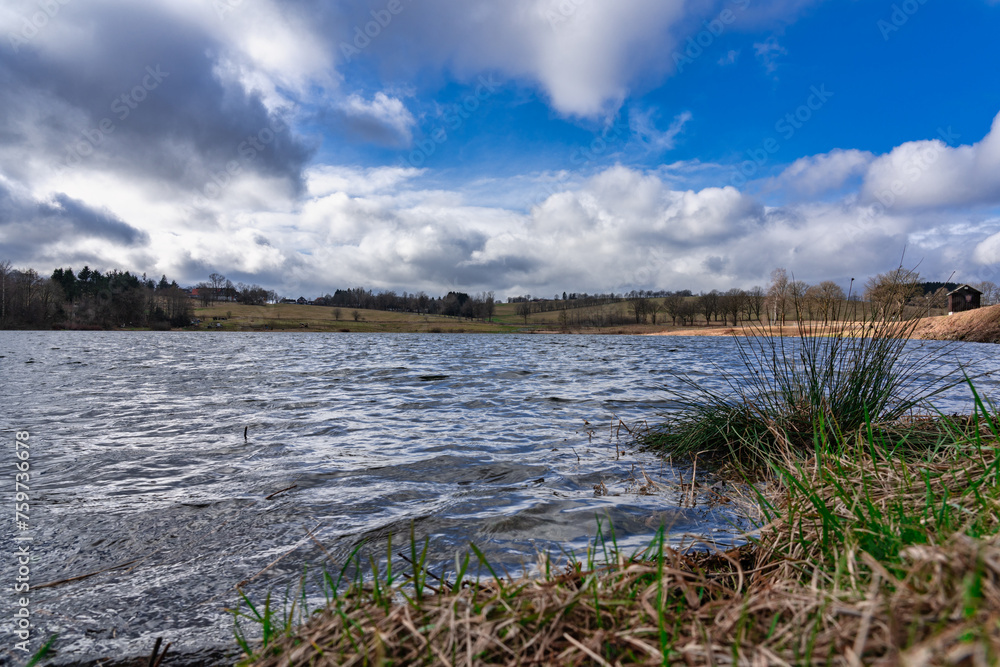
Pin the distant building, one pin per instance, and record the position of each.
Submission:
(963, 297)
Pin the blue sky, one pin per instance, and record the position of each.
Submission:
(527, 146)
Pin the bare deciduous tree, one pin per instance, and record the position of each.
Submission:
(218, 283)
(797, 293)
(708, 304)
(524, 310)
(777, 294)
(830, 296)
(990, 293)
(756, 298)
(4, 273)
(205, 293)
(889, 292)
(732, 304)
(639, 306)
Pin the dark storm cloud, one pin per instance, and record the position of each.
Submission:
(27, 225)
(142, 96)
(87, 221)
(362, 128)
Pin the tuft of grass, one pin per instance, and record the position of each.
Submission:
(39, 655)
(795, 392)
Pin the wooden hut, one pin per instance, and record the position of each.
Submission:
(963, 297)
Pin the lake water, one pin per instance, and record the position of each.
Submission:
(139, 463)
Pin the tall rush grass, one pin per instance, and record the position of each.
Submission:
(833, 378)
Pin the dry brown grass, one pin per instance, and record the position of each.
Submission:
(306, 319)
(975, 326)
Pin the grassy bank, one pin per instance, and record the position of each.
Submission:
(304, 318)
(869, 554)
(978, 326)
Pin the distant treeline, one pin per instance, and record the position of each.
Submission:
(89, 300)
(481, 306)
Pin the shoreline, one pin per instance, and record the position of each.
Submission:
(854, 562)
(977, 326)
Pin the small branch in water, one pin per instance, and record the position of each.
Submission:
(89, 574)
(293, 486)
(245, 430)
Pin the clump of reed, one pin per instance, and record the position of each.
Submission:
(869, 554)
(835, 378)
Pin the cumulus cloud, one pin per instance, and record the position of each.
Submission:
(31, 228)
(619, 230)
(142, 91)
(988, 251)
(818, 174)
(323, 180)
(622, 229)
(585, 56)
(383, 120)
(933, 174)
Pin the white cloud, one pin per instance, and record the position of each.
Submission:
(384, 119)
(644, 128)
(730, 58)
(323, 180)
(585, 56)
(988, 251)
(931, 174)
(768, 52)
(621, 229)
(817, 174)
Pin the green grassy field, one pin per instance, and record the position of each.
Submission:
(295, 317)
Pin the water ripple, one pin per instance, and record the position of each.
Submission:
(138, 454)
